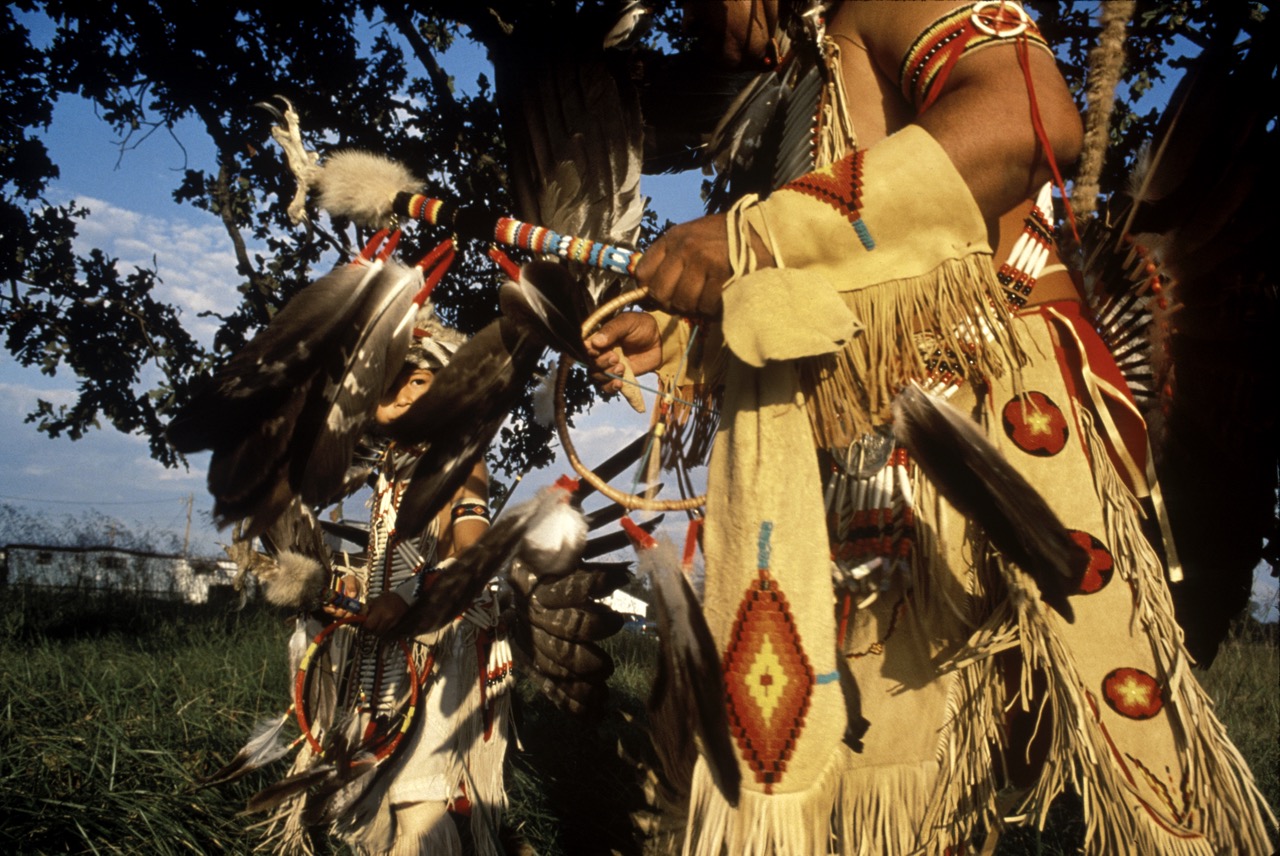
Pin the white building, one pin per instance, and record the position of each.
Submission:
(112, 570)
(627, 604)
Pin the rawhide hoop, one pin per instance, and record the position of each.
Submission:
(630, 501)
(300, 695)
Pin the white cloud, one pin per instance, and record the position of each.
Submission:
(189, 250)
(19, 398)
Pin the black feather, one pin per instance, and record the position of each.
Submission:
(602, 545)
(577, 588)
(543, 302)
(285, 414)
(356, 372)
(251, 478)
(589, 621)
(568, 658)
(287, 788)
(347, 531)
(971, 474)
(615, 464)
(687, 696)
(574, 137)
(275, 362)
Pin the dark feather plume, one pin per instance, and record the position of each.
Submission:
(971, 474)
(687, 697)
(280, 792)
(574, 136)
(356, 373)
(284, 416)
(285, 354)
(543, 302)
(592, 580)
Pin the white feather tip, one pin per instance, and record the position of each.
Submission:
(544, 400)
(555, 537)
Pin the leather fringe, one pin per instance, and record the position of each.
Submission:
(963, 330)
(790, 824)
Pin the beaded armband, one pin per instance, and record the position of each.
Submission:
(938, 48)
(469, 509)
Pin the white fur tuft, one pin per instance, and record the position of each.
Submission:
(361, 186)
(295, 580)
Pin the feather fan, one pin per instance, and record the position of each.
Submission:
(356, 375)
(285, 354)
(1188, 246)
(284, 416)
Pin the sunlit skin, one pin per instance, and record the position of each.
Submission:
(981, 120)
(385, 611)
(411, 384)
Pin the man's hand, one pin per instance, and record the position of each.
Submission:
(350, 587)
(636, 333)
(685, 270)
(385, 612)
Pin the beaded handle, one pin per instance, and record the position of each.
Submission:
(629, 501)
(341, 601)
(478, 223)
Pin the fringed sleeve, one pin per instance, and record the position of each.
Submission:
(910, 269)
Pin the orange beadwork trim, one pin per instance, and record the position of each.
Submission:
(938, 48)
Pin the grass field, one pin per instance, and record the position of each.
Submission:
(113, 709)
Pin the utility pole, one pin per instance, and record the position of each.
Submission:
(186, 535)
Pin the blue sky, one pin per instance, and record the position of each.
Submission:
(134, 218)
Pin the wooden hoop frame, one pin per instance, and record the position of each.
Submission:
(629, 501)
(300, 681)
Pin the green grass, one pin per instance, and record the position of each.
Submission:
(112, 710)
(1244, 683)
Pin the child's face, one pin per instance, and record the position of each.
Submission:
(409, 386)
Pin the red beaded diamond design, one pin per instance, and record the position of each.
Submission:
(768, 678)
